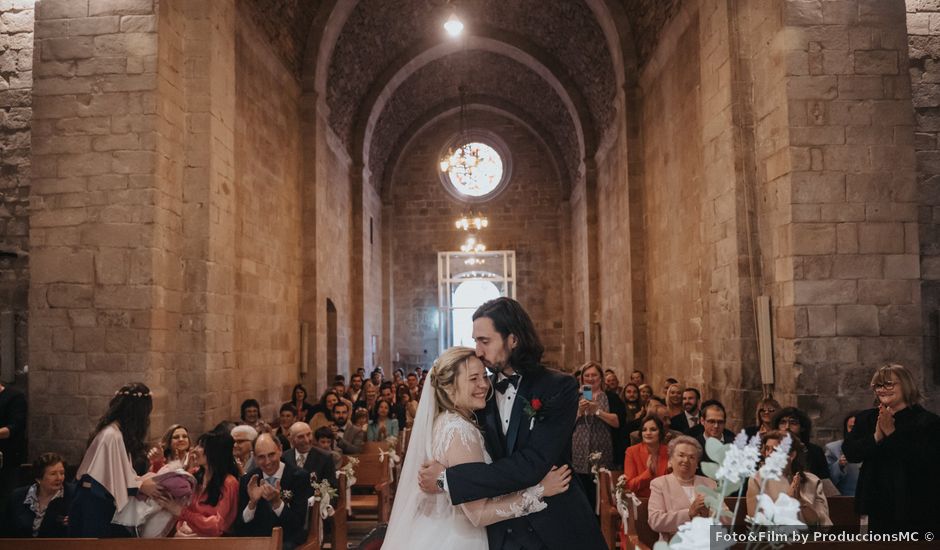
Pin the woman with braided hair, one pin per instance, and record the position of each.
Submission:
(109, 474)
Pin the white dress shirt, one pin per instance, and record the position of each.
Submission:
(248, 514)
(504, 402)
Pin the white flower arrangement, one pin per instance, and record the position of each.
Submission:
(349, 470)
(736, 463)
(323, 493)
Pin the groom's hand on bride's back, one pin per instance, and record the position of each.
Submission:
(427, 476)
(556, 481)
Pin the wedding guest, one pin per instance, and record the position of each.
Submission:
(656, 408)
(325, 443)
(713, 425)
(324, 410)
(403, 411)
(611, 382)
(174, 446)
(251, 415)
(649, 459)
(798, 423)
(898, 445)
(689, 417)
(592, 428)
(339, 386)
(12, 439)
(370, 395)
(631, 400)
(377, 376)
(646, 393)
(673, 498)
(299, 401)
(211, 513)
(764, 416)
(111, 468)
(360, 419)
(674, 400)
(398, 376)
(303, 455)
(40, 509)
(795, 481)
(244, 441)
(844, 474)
(285, 419)
(412, 382)
(355, 388)
(349, 437)
(637, 377)
(382, 425)
(271, 495)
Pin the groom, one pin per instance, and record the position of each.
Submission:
(527, 424)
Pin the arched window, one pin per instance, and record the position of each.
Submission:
(486, 177)
(468, 296)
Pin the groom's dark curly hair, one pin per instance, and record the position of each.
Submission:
(509, 317)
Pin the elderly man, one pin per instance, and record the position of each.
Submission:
(244, 437)
(273, 495)
(303, 455)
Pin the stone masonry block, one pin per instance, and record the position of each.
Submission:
(61, 265)
(802, 12)
(812, 87)
(94, 25)
(817, 135)
(902, 266)
(75, 47)
(860, 87)
(885, 291)
(69, 295)
(876, 62)
(62, 9)
(824, 292)
(881, 238)
(821, 320)
(813, 238)
(857, 320)
(857, 266)
(120, 7)
(900, 320)
(818, 187)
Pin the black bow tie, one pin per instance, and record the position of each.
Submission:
(503, 384)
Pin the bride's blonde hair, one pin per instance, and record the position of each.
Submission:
(443, 378)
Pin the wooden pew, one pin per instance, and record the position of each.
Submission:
(339, 536)
(374, 474)
(208, 543)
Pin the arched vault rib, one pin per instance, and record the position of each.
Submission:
(486, 39)
(450, 108)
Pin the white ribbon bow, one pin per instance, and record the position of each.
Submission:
(622, 500)
(393, 458)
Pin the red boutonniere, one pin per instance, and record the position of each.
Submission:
(533, 408)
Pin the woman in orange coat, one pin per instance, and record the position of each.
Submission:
(647, 460)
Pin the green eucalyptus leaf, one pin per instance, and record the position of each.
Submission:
(732, 488)
(660, 545)
(715, 449)
(710, 469)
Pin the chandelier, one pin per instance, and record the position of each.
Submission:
(472, 246)
(461, 161)
(474, 261)
(477, 221)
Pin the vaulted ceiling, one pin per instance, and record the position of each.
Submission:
(387, 68)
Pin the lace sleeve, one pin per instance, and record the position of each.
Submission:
(462, 443)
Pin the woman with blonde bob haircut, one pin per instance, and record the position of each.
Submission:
(445, 431)
(898, 444)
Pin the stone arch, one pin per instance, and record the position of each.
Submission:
(500, 42)
(451, 107)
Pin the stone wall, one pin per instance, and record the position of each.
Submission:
(421, 224)
(923, 29)
(16, 65)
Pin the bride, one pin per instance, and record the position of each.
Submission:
(445, 431)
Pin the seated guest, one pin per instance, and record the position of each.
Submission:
(339, 386)
(795, 482)
(387, 392)
(325, 442)
(411, 380)
(631, 400)
(637, 377)
(766, 409)
(844, 474)
(646, 393)
(360, 419)
(402, 409)
(656, 408)
(649, 459)
(299, 401)
(674, 400)
(273, 495)
(797, 423)
(324, 415)
(689, 417)
(382, 425)
(285, 419)
(398, 376)
(668, 382)
(370, 393)
(349, 437)
(304, 456)
(211, 513)
(40, 509)
(713, 425)
(673, 498)
(355, 388)
(251, 415)
(174, 446)
(244, 438)
(611, 382)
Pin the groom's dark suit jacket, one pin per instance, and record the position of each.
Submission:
(521, 459)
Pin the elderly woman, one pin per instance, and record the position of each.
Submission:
(797, 483)
(764, 415)
(647, 460)
(243, 438)
(898, 444)
(41, 509)
(592, 428)
(673, 498)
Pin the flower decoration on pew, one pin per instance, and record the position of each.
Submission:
(349, 470)
(736, 463)
(626, 500)
(324, 493)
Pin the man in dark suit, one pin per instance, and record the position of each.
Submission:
(273, 495)
(713, 425)
(689, 417)
(302, 455)
(528, 423)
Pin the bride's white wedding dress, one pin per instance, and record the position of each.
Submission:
(420, 520)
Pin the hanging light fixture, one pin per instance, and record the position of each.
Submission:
(470, 220)
(472, 246)
(460, 161)
(453, 25)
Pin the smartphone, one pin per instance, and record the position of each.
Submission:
(587, 393)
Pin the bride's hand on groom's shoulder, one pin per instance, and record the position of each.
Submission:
(427, 476)
(556, 481)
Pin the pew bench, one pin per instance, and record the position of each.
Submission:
(200, 543)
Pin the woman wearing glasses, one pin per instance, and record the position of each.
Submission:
(766, 408)
(795, 421)
(898, 444)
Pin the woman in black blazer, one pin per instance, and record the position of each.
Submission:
(49, 499)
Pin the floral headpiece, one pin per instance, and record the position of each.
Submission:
(130, 393)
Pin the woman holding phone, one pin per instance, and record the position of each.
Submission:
(592, 429)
